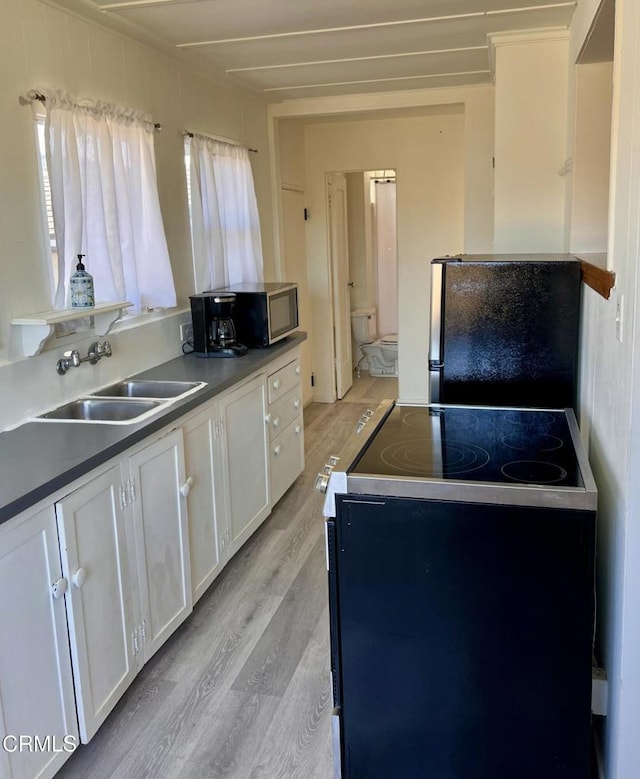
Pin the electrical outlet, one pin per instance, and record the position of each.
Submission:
(186, 332)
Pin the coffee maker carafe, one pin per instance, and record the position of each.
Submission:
(214, 334)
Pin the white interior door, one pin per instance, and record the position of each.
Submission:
(337, 204)
(295, 269)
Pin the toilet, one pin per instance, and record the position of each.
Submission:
(380, 354)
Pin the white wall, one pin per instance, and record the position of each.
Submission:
(41, 45)
(445, 204)
(427, 154)
(591, 157)
(531, 73)
(610, 410)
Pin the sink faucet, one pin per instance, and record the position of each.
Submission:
(72, 359)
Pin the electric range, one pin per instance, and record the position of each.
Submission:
(517, 456)
(461, 559)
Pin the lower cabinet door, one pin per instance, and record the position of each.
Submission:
(244, 418)
(162, 542)
(95, 558)
(205, 500)
(36, 686)
(287, 459)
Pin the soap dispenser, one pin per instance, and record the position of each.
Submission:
(81, 287)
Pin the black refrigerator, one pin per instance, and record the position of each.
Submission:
(504, 330)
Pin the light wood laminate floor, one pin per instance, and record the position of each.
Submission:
(241, 690)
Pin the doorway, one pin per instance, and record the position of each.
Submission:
(364, 271)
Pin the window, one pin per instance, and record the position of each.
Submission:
(101, 200)
(225, 226)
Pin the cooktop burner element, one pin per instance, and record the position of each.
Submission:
(524, 442)
(464, 443)
(534, 472)
(418, 458)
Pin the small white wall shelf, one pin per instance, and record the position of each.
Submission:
(36, 328)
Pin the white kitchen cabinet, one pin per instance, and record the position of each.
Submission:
(161, 539)
(124, 548)
(96, 544)
(36, 685)
(208, 533)
(286, 429)
(286, 458)
(243, 415)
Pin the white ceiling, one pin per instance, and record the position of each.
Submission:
(312, 48)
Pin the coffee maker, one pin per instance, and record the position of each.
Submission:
(214, 334)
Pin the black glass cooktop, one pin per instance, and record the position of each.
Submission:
(506, 446)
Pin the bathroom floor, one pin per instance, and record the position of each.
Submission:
(366, 389)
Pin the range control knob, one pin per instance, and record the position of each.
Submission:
(322, 482)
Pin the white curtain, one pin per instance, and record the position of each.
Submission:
(101, 164)
(227, 247)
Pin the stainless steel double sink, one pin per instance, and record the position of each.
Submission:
(123, 403)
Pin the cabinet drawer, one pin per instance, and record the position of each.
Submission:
(286, 459)
(284, 380)
(282, 413)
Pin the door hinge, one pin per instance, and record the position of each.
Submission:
(306, 214)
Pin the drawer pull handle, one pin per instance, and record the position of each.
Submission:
(296, 403)
(298, 369)
(276, 450)
(267, 419)
(298, 429)
(186, 487)
(276, 422)
(78, 577)
(276, 384)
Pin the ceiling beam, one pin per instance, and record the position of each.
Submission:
(377, 80)
(356, 59)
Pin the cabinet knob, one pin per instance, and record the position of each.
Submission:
(78, 577)
(58, 588)
(186, 487)
(276, 450)
(267, 418)
(276, 422)
(276, 384)
(296, 403)
(298, 429)
(298, 369)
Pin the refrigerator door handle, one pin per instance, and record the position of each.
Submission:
(435, 357)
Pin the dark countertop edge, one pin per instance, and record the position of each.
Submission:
(134, 434)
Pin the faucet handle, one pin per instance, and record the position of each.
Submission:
(70, 359)
(105, 349)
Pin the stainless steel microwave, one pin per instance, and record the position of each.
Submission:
(265, 312)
